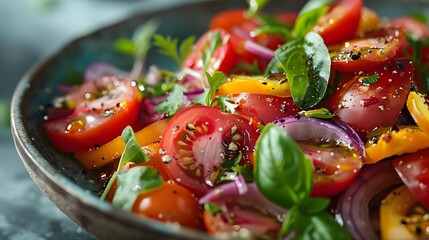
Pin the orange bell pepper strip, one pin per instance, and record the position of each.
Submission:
(274, 85)
(418, 106)
(112, 150)
(405, 140)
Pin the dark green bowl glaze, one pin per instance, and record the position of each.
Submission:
(59, 175)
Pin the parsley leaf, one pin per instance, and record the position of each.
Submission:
(170, 47)
(172, 103)
(371, 79)
(215, 81)
(322, 113)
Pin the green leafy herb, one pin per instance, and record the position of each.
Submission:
(4, 113)
(307, 65)
(417, 45)
(170, 47)
(226, 104)
(322, 113)
(132, 153)
(215, 81)
(419, 16)
(215, 42)
(256, 5)
(133, 182)
(285, 176)
(172, 103)
(212, 208)
(309, 16)
(371, 79)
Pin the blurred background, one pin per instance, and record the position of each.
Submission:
(29, 31)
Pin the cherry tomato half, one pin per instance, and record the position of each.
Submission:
(170, 203)
(340, 23)
(265, 108)
(101, 109)
(374, 99)
(367, 53)
(198, 140)
(414, 171)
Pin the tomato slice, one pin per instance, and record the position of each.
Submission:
(335, 167)
(366, 105)
(369, 21)
(100, 110)
(236, 21)
(170, 203)
(340, 23)
(198, 140)
(266, 108)
(369, 52)
(418, 29)
(414, 172)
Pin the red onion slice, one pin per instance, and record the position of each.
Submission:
(102, 69)
(362, 198)
(303, 129)
(259, 50)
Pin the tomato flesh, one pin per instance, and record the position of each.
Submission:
(367, 106)
(414, 171)
(170, 203)
(100, 110)
(369, 52)
(198, 140)
(340, 23)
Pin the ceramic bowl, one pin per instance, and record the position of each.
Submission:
(62, 178)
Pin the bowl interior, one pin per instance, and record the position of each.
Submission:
(59, 173)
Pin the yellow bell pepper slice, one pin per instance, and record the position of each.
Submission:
(276, 85)
(418, 106)
(112, 150)
(405, 140)
(395, 219)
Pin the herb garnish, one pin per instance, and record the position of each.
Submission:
(172, 103)
(170, 47)
(369, 80)
(134, 180)
(284, 175)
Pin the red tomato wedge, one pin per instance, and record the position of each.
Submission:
(100, 110)
(198, 140)
(340, 23)
(367, 105)
(369, 52)
(414, 171)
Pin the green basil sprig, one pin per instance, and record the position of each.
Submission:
(134, 180)
(308, 66)
(285, 176)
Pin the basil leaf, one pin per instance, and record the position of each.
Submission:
(132, 182)
(312, 226)
(314, 205)
(307, 65)
(282, 172)
(132, 151)
(172, 103)
(309, 15)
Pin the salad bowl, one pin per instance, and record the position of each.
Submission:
(62, 179)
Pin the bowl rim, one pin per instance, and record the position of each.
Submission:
(32, 158)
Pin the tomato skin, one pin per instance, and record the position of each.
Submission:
(367, 53)
(198, 140)
(340, 23)
(170, 203)
(96, 120)
(418, 29)
(383, 100)
(266, 108)
(414, 171)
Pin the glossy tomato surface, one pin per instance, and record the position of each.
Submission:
(98, 112)
(373, 99)
(414, 171)
(198, 140)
